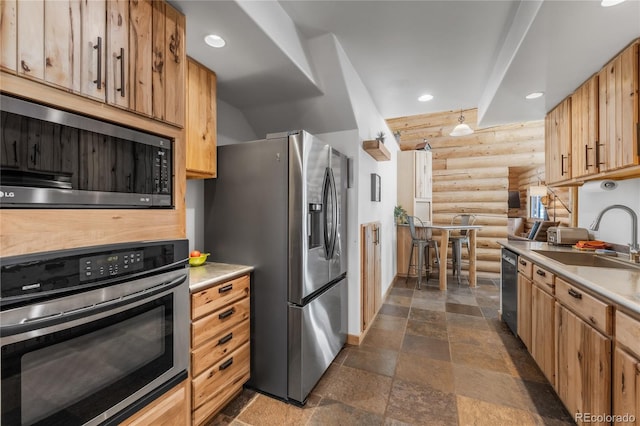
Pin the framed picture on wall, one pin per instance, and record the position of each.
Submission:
(375, 187)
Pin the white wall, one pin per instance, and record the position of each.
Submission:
(233, 126)
(615, 226)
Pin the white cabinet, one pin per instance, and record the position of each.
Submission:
(414, 183)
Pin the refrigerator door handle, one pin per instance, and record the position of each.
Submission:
(326, 193)
(334, 205)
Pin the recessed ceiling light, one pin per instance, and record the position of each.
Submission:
(534, 95)
(607, 3)
(214, 40)
(425, 98)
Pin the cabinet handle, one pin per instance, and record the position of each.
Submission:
(98, 47)
(575, 294)
(121, 58)
(592, 319)
(598, 146)
(226, 364)
(225, 339)
(225, 288)
(541, 272)
(562, 157)
(226, 313)
(522, 262)
(586, 157)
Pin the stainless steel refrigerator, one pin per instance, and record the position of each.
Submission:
(280, 205)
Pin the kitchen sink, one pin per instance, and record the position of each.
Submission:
(586, 259)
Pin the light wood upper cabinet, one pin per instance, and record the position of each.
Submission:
(8, 35)
(201, 121)
(118, 53)
(92, 52)
(618, 110)
(415, 183)
(585, 148)
(140, 56)
(557, 143)
(30, 18)
(174, 66)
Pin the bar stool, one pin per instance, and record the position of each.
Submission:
(422, 242)
(457, 241)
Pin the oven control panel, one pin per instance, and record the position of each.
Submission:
(110, 265)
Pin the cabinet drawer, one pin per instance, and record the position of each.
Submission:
(216, 348)
(214, 298)
(219, 321)
(595, 312)
(628, 332)
(546, 280)
(525, 267)
(226, 372)
(212, 406)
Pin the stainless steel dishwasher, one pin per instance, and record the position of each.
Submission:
(509, 288)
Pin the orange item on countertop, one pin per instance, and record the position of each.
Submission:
(592, 245)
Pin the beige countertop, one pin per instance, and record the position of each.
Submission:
(211, 273)
(621, 286)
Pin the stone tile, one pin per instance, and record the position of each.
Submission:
(388, 421)
(394, 310)
(394, 299)
(359, 389)
(339, 359)
(426, 346)
(490, 313)
(478, 356)
(325, 381)
(406, 292)
(383, 339)
(220, 420)
(331, 412)
(466, 321)
(400, 283)
(486, 301)
(463, 299)
(421, 404)
(428, 304)
(520, 364)
(239, 403)
(423, 370)
(480, 413)
(543, 400)
(427, 315)
(489, 386)
(268, 411)
(458, 308)
(473, 336)
(388, 322)
(379, 361)
(436, 330)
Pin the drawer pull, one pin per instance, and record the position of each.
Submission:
(575, 294)
(523, 262)
(550, 285)
(225, 339)
(541, 272)
(226, 313)
(592, 319)
(226, 364)
(225, 288)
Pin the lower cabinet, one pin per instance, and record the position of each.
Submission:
(583, 375)
(524, 310)
(171, 409)
(626, 371)
(220, 354)
(371, 285)
(543, 332)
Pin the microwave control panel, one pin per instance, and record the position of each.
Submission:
(162, 171)
(110, 265)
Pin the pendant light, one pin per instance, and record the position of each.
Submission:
(461, 129)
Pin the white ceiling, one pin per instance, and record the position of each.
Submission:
(486, 54)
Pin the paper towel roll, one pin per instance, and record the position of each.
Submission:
(599, 186)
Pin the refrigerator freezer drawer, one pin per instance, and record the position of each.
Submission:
(317, 332)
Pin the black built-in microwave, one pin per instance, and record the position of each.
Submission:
(50, 158)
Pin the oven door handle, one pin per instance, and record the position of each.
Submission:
(30, 324)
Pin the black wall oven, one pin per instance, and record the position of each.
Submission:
(89, 336)
(53, 158)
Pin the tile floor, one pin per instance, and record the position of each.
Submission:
(430, 358)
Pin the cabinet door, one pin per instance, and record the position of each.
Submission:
(543, 332)
(117, 53)
(626, 385)
(422, 170)
(584, 365)
(174, 66)
(31, 39)
(61, 49)
(8, 35)
(524, 310)
(140, 56)
(92, 51)
(584, 129)
(201, 121)
(618, 110)
(168, 410)
(558, 142)
(371, 281)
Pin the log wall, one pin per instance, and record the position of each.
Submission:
(471, 173)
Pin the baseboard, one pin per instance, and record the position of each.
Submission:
(356, 340)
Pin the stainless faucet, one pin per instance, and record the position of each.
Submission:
(634, 249)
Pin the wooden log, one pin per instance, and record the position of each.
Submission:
(485, 150)
(492, 208)
(470, 196)
(472, 173)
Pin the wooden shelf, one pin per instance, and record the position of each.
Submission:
(377, 150)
